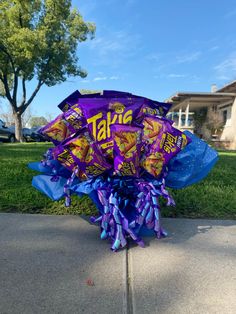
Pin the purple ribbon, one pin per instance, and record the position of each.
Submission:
(112, 222)
(148, 208)
(67, 188)
(46, 162)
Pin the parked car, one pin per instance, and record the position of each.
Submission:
(6, 134)
(25, 131)
(31, 135)
(36, 136)
(27, 134)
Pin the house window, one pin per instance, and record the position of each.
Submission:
(224, 113)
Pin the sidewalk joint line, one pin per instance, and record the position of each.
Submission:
(129, 292)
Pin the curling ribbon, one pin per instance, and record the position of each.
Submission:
(67, 186)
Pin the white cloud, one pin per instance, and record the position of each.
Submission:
(153, 56)
(214, 48)
(106, 46)
(176, 76)
(114, 48)
(104, 78)
(100, 78)
(114, 77)
(227, 68)
(230, 14)
(223, 78)
(190, 57)
(173, 75)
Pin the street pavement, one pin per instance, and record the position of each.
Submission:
(58, 264)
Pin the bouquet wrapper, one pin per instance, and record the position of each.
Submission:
(192, 164)
(121, 151)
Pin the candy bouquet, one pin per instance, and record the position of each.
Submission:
(122, 151)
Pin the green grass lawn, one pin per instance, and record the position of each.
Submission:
(16, 192)
(214, 197)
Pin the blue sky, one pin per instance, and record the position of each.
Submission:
(152, 48)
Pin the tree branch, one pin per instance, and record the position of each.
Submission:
(7, 91)
(24, 93)
(14, 95)
(12, 99)
(4, 50)
(23, 107)
(24, 89)
(20, 20)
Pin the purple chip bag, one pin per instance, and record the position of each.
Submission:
(57, 130)
(114, 94)
(73, 99)
(127, 148)
(167, 143)
(151, 128)
(86, 154)
(69, 101)
(64, 156)
(153, 108)
(101, 113)
(75, 117)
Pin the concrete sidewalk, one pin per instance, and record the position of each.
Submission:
(48, 264)
(191, 271)
(58, 264)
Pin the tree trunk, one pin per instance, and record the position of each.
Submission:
(18, 127)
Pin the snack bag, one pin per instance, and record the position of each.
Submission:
(151, 128)
(75, 117)
(101, 113)
(73, 99)
(64, 156)
(127, 148)
(69, 101)
(57, 130)
(164, 146)
(86, 154)
(152, 108)
(114, 93)
(156, 108)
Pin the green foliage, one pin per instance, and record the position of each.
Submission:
(214, 197)
(89, 91)
(2, 90)
(38, 39)
(215, 122)
(37, 121)
(199, 117)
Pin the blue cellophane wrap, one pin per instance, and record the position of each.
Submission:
(192, 164)
(52, 167)
(54, 189)
(89, 188)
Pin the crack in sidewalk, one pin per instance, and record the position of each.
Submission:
(128, 283)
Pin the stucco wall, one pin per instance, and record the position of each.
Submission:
(229, 132)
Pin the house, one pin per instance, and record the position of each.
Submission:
(212, 116)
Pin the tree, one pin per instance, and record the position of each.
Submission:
(38, 40)
(89, 91)
(215, 122)
(7, 116)
(26, 116)
(37, 121)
